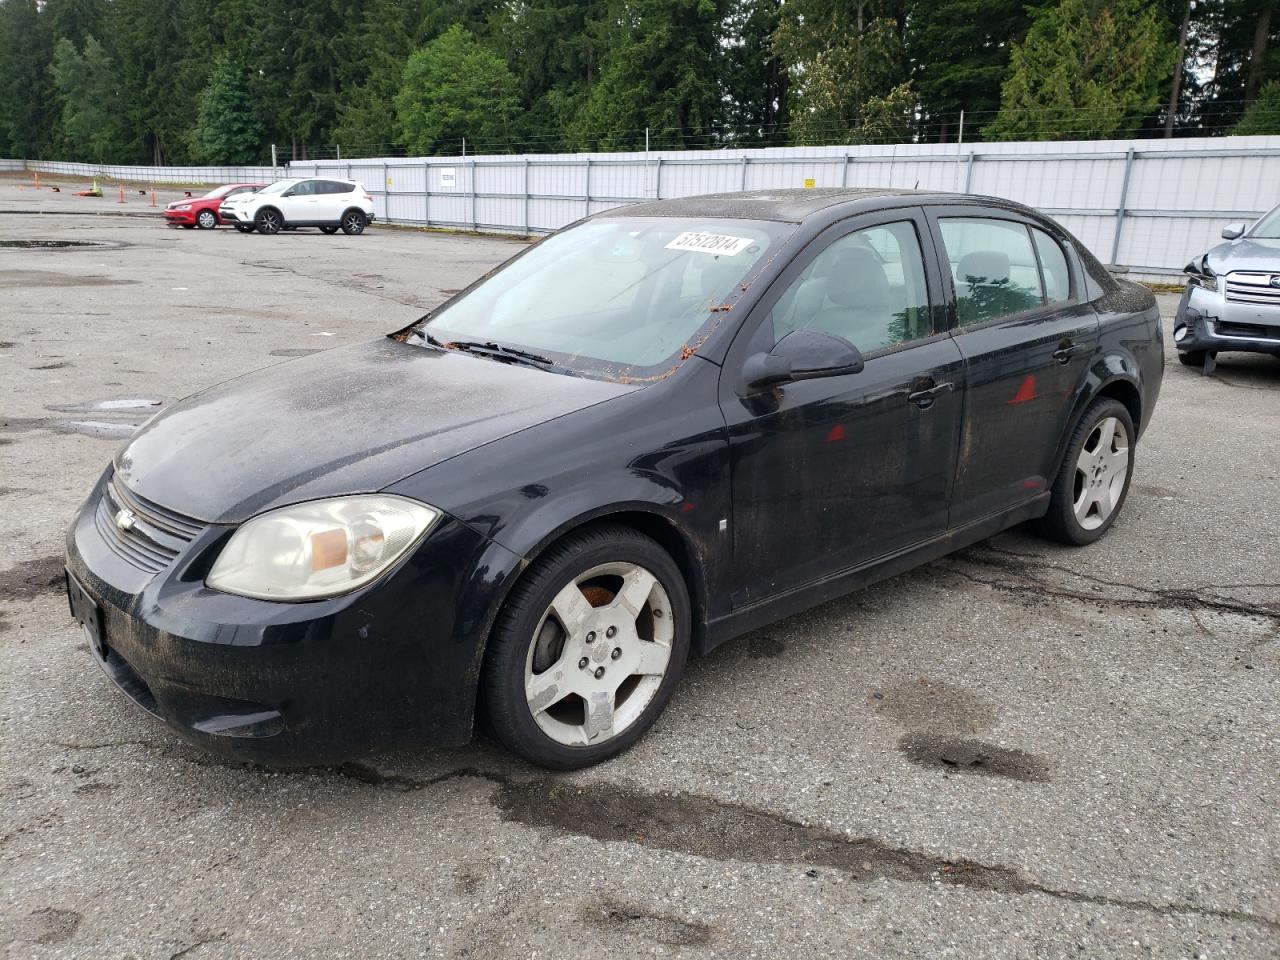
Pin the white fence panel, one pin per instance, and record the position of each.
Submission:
(1150, 204)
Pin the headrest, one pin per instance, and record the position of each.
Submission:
(855, 278)
(983, 267)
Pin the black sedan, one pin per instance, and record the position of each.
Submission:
(652, 431)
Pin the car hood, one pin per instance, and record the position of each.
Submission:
(1247, 253)
(351, 420)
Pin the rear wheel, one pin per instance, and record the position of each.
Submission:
(207, 220)
(354, 222)
(268, 222)
(1093, 481)
(587, 649)
(329, 230)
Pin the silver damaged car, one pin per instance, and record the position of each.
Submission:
(1232, 300)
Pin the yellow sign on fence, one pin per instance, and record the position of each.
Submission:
(810, 183)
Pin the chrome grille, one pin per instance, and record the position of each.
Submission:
(155, 536)
(1252, 288)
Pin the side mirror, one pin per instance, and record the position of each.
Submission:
(1233, 231)
(288, 193)
(802, 355)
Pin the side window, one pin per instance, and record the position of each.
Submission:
(1053, 263)
(337, 186)
(993, 266)
(867, 287)
(307, 188)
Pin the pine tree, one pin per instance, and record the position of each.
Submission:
(1263, 117)
(659, 72)
(754, 77)
(454, 88)
(227, 129)
(848, 70)
(85, 82)
(1088, 69)
(960, 55)
(27, 116)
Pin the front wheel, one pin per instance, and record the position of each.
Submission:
(1093, 481)
(354, 222)
(329, 230)
(268, 222)
(1191, 358)
(588, 648)
(207, 220)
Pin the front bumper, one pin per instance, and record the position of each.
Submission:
(180, 217)
(1207, 321)
(290, 683)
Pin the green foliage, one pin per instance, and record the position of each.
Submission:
(1088, 69)
(660, 72)
(960, 55)
(755, 78)
(27, 113)
(848, 71)
(1263, 117)
(86, 89)
(454, 88)
(227, 129)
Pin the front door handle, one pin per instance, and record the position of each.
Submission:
(924, 398)
(1066, 350)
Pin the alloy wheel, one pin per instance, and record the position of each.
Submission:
(207, 220)
(268, 222)
(599, 653)
(1101, 469)
(352, 223)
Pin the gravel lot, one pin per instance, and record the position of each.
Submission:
(811, 791)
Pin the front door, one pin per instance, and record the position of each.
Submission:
(1028, 336)
(833, 473)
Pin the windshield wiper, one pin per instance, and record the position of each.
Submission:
(488, 348)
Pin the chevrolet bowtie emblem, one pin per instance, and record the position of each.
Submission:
(125, 519)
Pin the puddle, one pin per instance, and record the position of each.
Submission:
(52, 278)
(56, 244)
(115, 429)
(712, 830)
(295, 352)
(114, 405)
(973, 756)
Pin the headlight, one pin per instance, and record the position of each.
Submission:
(319, 549)
(183, 206)
(1206, 281)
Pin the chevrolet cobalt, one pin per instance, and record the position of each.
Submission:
(654, 430)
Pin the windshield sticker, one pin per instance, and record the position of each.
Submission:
(714, 243)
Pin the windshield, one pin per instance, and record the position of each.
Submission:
(278, 187)
(1268, 227)
(215, 193)
(618, 297)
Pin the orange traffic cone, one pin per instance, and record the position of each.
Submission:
(121, 200)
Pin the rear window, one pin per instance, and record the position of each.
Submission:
(335, 186)
(993, 267)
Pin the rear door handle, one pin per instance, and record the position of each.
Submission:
(1065, 352)
(924, 398)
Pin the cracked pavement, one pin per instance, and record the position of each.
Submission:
(1021, 750)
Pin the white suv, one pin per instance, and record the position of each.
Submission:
(288, 204)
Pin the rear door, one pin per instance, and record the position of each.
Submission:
(334, 199)
(1028, 334)
(831, 474)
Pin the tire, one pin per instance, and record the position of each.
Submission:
(206, 220)
(268, 222)
(354, 222)
(244, 227)
(1191, 358)
(1089, 492)
(329, 230)
(608, 654)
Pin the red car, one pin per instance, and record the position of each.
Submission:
(202, 212)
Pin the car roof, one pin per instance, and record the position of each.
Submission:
(795, 205)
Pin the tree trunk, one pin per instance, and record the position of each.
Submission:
(1260, 31)
(1176, 87)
